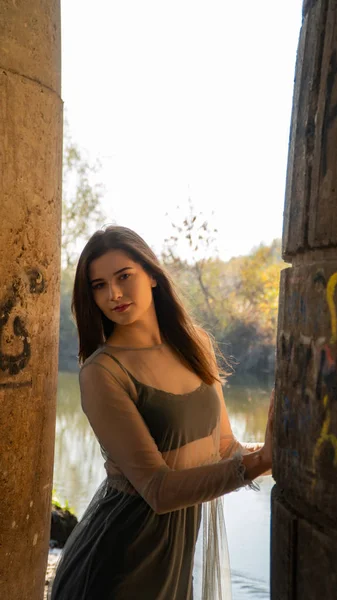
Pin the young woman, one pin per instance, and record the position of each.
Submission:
(151, 390)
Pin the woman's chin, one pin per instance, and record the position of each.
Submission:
(122, 319)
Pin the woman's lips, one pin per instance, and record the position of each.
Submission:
(122, 307)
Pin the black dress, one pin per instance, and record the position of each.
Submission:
(165, 475)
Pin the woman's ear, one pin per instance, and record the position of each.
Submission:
(153, 282)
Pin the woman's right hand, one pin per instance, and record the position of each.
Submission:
(267, 449)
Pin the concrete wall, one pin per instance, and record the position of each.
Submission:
(30, 219)
(304, 500)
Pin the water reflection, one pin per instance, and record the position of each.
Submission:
(78, 464)
(248, 408)
(78, 471)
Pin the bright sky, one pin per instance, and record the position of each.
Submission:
(185, 98)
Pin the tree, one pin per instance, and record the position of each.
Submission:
(257, 293)
(236, 300)
(81, 210)
(81, 214)
(200, 238)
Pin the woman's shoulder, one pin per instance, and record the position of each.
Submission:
(102, 370)
(103, 358)
(92, 356)
(205, 338)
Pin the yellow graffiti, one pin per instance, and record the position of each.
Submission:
(330, 291)
(325, 436)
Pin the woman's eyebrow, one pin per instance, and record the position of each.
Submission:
(116, 273)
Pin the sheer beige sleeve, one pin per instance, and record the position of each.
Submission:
(123, 434)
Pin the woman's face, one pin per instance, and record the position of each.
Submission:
(121, 288)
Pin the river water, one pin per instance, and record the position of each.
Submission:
(78, 471)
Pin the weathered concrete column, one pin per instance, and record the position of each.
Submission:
(30, 207)
(304, 503)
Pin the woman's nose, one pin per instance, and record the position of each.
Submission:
(115, 292)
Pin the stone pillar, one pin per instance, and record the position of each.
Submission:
(304, 500)
(30, 221)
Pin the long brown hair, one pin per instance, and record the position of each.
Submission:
(176, 325)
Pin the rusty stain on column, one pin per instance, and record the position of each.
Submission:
(30, 222)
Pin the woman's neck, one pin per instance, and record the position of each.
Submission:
(141, 334)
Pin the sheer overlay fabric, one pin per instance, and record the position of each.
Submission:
(155, 528)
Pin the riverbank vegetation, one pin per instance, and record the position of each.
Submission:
(236, 301)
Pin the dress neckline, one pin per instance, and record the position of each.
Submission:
(146, 385)
(134, 347)
(200, 387)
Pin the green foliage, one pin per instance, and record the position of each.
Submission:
(256, 294)
(56, 502)
(236, 300)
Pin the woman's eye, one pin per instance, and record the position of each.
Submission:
(124, 276)
(98, 286)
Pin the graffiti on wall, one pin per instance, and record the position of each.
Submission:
(310, 368)
(13, 364)
(329, 375)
